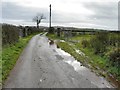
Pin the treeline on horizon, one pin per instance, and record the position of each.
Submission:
(12, 33)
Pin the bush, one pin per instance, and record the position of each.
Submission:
(74, 33)
(102, 37)
(10, 34)
(99, 42)
(58, 32)
(98, 46)
(114, 57)
(85, 43)
(33, 30)
(114, 39)
(51, 30)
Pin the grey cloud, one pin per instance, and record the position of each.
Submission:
(65, 17)
(16, 12)
(105, 14)
(106, 10)
(11, 10)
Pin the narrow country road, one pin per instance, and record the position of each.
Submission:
(41, 66)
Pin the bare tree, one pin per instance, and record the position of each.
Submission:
(38, 19)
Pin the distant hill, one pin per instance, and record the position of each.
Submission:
(85, 29)
(71, 28)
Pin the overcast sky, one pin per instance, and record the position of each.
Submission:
(74, 13)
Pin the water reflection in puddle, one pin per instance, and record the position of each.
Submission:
(77, 65)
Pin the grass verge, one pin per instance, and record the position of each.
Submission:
(10, 55)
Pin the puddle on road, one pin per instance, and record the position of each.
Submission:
(78, 67)
(98, 81)
(62, 40)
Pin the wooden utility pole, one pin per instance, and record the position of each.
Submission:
(50, 17)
